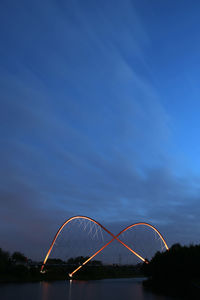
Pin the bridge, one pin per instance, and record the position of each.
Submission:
(113, 238)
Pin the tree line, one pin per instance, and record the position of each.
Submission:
(175, 271)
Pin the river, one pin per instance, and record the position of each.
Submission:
(117, 289)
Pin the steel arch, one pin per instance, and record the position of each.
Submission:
(114, 237)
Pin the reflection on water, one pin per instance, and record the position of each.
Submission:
(117, 289)
(70, 289)
(45, 290)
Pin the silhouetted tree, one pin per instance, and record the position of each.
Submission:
(80, 259)
(19, 257)
(55, 261)
(4, 260)
(178, 268)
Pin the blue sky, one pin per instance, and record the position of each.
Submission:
(99, 116)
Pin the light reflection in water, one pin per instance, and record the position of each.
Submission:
(70, 289)
(79, 290)
(45, 290)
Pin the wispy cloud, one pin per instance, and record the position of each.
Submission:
(83, 129)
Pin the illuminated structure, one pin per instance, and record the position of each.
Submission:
(114, 237)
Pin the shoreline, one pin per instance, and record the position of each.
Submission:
(49, 279)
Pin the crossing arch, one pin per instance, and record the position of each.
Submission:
(114, 237)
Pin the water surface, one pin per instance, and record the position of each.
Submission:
(117, 289)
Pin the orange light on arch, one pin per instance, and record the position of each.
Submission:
(63, 225)
(103, 247)
(148, 225)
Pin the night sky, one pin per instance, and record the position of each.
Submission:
(100, 116)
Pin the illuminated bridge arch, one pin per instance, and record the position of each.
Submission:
(114, 237)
